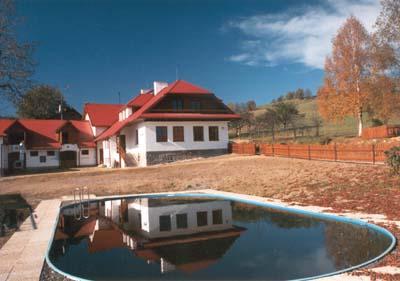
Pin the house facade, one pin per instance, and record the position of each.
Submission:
(167, 123)
(45, 144)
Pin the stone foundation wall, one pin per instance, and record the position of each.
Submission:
(159, 157)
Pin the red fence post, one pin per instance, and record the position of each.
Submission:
(309, 152)
(373, 153)
(335, 151)
(273, 150)
(288, 150)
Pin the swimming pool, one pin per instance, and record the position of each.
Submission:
(207, 237)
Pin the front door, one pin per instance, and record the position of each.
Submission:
(122, 142)
(101, 156)
(68, 159)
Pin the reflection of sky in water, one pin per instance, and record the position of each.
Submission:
(273, 246)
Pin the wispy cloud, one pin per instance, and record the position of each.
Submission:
(301, 36)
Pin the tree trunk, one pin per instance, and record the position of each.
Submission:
(360, 123)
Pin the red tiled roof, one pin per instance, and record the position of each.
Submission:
(190, 116)
(140, 99)
(4, 125)
(178, 87)
(102, 115)
(45, 132)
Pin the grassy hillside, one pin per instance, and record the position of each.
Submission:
(346, 128)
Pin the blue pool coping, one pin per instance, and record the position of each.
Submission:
(274, 206)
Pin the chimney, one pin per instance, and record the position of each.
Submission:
(158, 86)
(143, 91)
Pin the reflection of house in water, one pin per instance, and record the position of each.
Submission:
(188, 235)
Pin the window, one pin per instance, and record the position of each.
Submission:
(213, 133)
(64, 137)
(178, 133)
(165, 223)
(42, 159)
(136, 137)
(85, 152)
(217, 216)
(195, 105)
(181, 221)
(201, 218)
(34, 153)
(51, 153)
(177, 104)
(161, 134)
(198, 134)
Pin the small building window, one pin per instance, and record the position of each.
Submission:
(162, 134)
(213, 133)
(177, 104)
(195, 105)
(181, 221)
(178, 133)
(51, 153)
(85, 152)
(201, 218)
(65, 137)
(136, 137)
(217, 216)
(165, 223)
(198, 133)
(42, 159)
(34, 153)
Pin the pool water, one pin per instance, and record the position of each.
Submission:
(189, 238)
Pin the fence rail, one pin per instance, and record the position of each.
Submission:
(335, 152)
(384, 131)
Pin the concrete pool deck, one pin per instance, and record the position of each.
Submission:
(22, 257)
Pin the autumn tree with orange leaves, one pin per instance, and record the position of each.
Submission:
(345, 90)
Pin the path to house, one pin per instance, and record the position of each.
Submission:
(336, 187)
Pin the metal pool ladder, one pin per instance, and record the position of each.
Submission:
(81, 203)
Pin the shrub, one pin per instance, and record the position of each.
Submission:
(393, 159)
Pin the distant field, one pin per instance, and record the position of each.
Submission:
(346, 128)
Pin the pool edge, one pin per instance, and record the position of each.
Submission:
(239, 198)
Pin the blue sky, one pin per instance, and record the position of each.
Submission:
(240, 50)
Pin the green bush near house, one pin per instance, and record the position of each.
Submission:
(393, 159)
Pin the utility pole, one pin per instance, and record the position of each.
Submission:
(119, 97)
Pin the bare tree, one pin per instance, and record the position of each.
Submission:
(16, 64)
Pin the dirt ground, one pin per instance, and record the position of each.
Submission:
(360, 187)
(342, 186)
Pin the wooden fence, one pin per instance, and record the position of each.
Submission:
(335, 152)
(384, 131)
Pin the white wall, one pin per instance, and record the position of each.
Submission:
(151, 217)
(189, 143)
(137, 150)
(34, 161)
(87, 160)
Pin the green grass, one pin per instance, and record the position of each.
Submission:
(346, 128)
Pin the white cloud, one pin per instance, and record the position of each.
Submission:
(302, 36)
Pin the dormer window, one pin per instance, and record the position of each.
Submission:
(195, 105)
(177, 104)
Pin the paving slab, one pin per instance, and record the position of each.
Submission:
(23, 255)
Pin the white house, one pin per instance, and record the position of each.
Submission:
(159, 125)
(164, 124)
(45, 144)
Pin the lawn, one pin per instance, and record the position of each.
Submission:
(342, 186)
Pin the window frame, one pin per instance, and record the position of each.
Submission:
(34, 153)
(136, 137)
(185, 224)
(175, 135)
(161, 226)
(195, 136)
(201, 213)
(217, 217)
(177, 104)
(214, 134)
(160, 138)
(85, 152)
(42, 159)
(51, 153)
